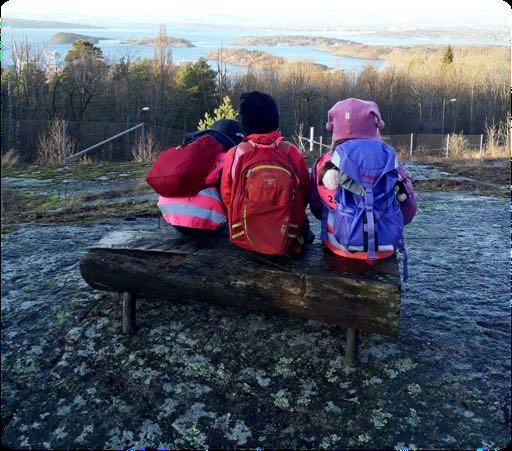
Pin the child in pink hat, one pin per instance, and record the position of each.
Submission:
(354, 118)
(359, 119)
(350, 119)
(353, 187)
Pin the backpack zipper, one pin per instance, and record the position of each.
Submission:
(267, 166)
(245, 225)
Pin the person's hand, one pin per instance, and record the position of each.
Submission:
(399, 196)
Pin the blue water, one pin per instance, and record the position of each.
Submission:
(207, 39)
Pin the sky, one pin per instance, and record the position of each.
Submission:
(272, 13)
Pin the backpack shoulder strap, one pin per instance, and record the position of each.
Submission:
(285, 145)
(286, 149)
(239, 150)
(370, 220)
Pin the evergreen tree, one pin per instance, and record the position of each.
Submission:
(83, 78)
(448, 55)
(195, 83)
(224, 111)
(81, 49)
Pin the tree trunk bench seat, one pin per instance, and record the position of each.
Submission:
(313, 285)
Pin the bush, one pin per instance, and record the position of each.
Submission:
(497, 139)
(50, 149)
(224, 111)
(150, 147)
(10, 158)
(458, 145)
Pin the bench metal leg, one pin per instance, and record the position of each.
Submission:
(128, 313)
(352, 347)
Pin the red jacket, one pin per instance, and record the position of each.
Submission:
(296, 159)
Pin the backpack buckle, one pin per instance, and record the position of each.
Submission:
(368, 199)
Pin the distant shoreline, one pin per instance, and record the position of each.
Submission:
(11, 22)
(352, 49)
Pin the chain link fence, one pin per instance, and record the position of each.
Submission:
(413, 144)
(49, 142)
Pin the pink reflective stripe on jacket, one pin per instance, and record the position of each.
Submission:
(203, 211)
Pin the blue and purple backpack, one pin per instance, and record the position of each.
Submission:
(369, 226)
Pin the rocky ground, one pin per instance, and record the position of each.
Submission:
(208, 376)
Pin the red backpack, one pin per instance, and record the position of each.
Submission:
(266, 211)
(181, 171)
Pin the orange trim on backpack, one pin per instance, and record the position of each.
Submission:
(356, 255)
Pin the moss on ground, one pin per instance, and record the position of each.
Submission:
(77, 171)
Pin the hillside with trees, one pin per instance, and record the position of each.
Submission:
(343, 47)
(410, 94)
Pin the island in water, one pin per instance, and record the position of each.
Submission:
(252, 58)
(170, 41)
(69, 38)
(244, 57)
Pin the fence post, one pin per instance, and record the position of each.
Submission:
(447, 144)
(64, 143)
(142, 143)
(481, 145)
(311, 137)
(411, 144)
(321, 144)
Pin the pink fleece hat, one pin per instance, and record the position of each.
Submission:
(354, 118)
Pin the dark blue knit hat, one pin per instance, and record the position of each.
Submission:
(227, 131)
(258, 113)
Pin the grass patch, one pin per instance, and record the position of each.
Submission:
(51, 203)
(469, 186)
(488, 170)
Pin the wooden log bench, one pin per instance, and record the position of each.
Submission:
(314, 285)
